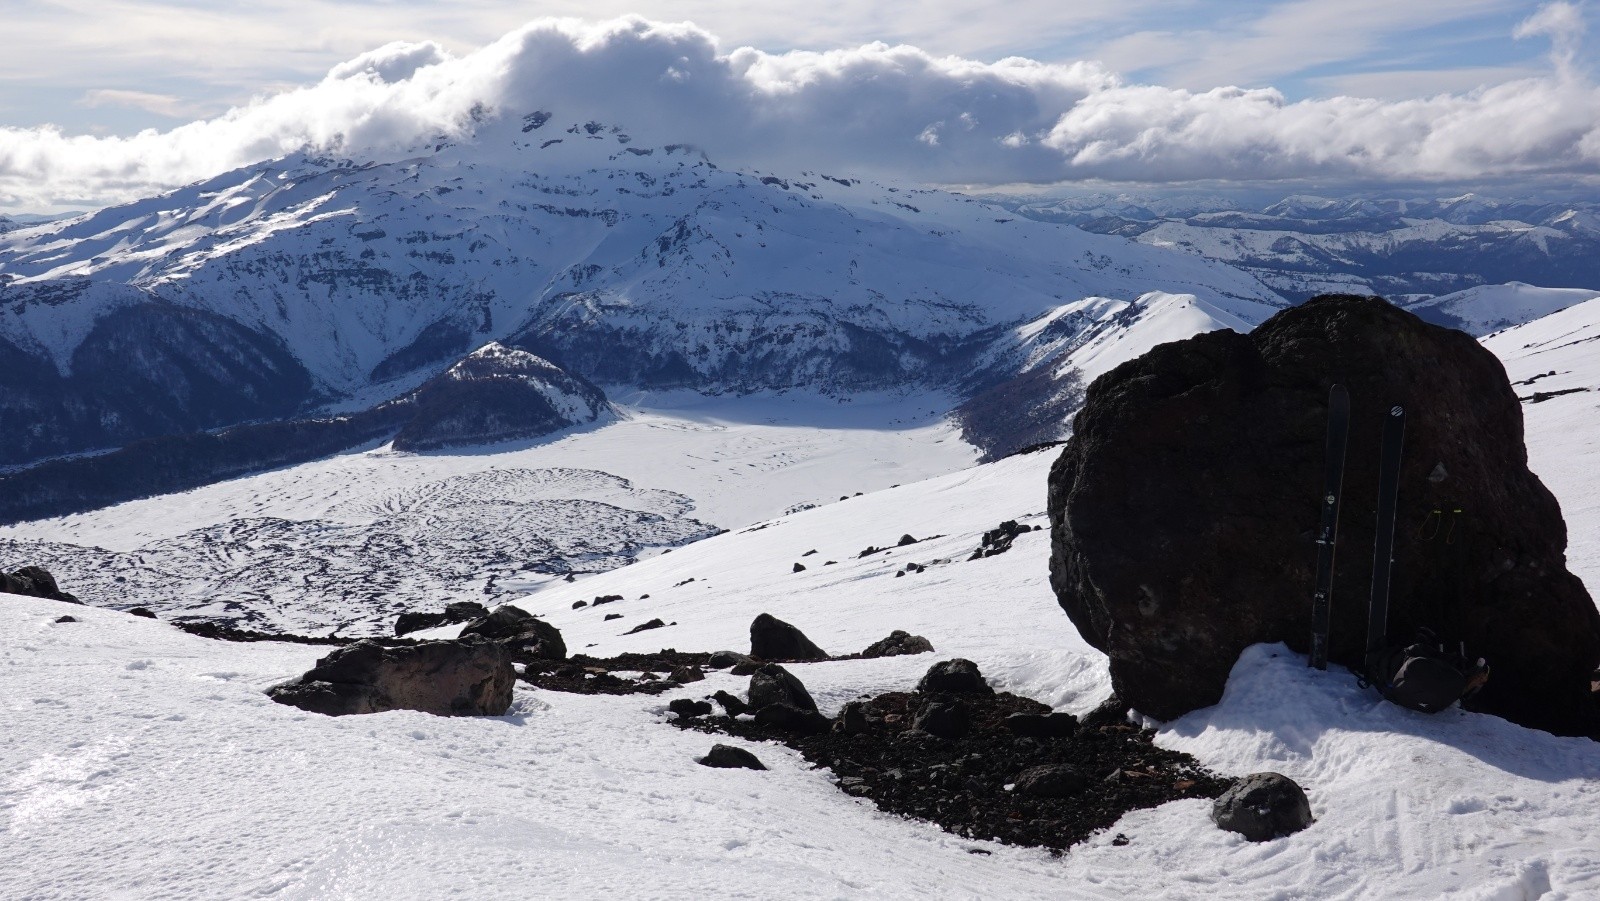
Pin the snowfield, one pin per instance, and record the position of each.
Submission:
(140, 762)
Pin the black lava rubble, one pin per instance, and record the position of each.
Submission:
(1041, 780)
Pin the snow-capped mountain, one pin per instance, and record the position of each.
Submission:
(1490, 308)
(306, 282)
(1305, 245)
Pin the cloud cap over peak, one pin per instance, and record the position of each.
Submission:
(872, 109)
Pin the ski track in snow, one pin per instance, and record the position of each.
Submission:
(139, 762)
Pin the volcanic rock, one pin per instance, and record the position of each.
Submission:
(1262, 806)
(899, 642)
(956, 676)
(689, 707)
(1184, 509)
(1051, 781)
(520, 631)
(732, 705)
(729, 757)
(1046, 725)
(946, 719)
(725, 659)
(773, 639)
(34, 581)
(459, 612)
(445, 678)
(144, 612)
(772, 684)
(786, 717)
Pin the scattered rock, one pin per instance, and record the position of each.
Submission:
(611, 616)
(729, 757)
(732, 705)
(773, 639)
(519, 631)
(607, 599)
(788, 718)
(956, 676)
(856, 718)
(683, 675)
(687, 707)
(772, 684)
(459, 612)
(998, 540)
(799, 568)
(145, 612)
(1113, 711)
(579, 605)
(67, 619)
(946, 719)
(1042, 725)
(446, 678)
(905, 540)
(645, 627)
(34, 581)
(899, 642)
(809, 553)
(1183, 511)
(1060, 780)
(725, 659)
(1263, 806)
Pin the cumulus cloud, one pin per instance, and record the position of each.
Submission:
(893, 111)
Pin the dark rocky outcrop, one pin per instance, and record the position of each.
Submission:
(519, 631)
(956, 676)
(683, 675)
(647, 626)
(773, 639)
(142, 612)
(689, 707)
(446, 678)
(459, 612)
(731, 704)
(725, 659)
(787, 718)
(1042, 725)
(946, 719)
(899, 642)
(1184, 507)
(1262, 807)
(772, 684)
(36, 582)
(729, 757)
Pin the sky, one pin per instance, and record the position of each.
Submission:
(106, 100)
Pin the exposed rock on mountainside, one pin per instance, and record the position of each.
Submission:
(519, 631)
(459, 612)
(1184, 506)
(34, 581)
(445, 678)
(773, 639)
(497, 394)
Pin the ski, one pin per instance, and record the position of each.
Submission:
(1333, 479)
(1394, 432)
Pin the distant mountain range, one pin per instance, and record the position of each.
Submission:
(310, 286)
(1402, 249)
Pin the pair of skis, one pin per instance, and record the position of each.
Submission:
(1394, 428)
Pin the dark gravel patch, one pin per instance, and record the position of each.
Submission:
(585, 675)
(961, 784)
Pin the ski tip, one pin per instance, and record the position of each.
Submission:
(1397, 410)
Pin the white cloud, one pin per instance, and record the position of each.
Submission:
(1562, 23)
(160, 104)
(875, 109)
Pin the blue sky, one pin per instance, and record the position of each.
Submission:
(116, 66)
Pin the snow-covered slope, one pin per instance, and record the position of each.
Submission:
(134, 752)
(1490, 308)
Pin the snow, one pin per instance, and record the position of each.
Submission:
(1490, 308)
(139, 762)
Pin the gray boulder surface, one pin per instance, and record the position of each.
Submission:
(445, 678)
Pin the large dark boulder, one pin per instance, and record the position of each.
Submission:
(446, 678)
(1262, 807)
(773, 639)
(1184, 509)
(34, 581)
(772, 684)
(519, 631)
